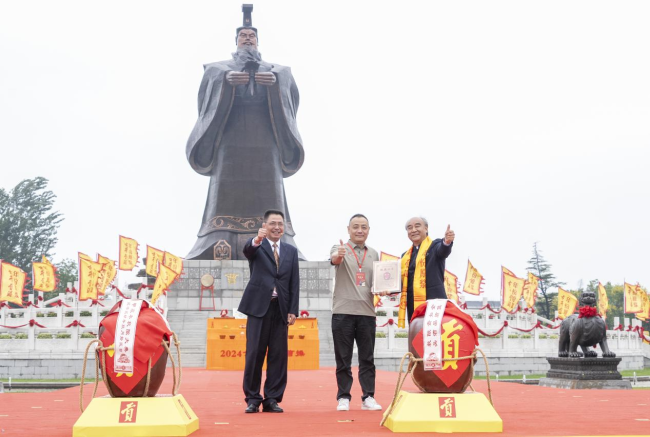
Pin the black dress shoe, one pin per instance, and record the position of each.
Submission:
(272, 407)
(252, 408)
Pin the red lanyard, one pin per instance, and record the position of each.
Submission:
(365, 251)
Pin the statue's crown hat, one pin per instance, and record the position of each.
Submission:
(247, 9)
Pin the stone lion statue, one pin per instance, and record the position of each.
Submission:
(586, 329)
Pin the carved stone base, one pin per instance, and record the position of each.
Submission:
(584, 373)
(584, 384)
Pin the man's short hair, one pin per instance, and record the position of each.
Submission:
(273, 211)
(426, 223)
(358, 215)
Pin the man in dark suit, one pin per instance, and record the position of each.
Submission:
(423, 266)
(271, 303)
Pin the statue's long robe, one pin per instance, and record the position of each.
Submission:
(247, 145)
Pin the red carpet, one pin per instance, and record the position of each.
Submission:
(310, 408)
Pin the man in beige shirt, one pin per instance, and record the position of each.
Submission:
(353, 314)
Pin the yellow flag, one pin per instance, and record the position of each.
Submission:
(154, 256)
(89, 272)
(84, 256)
(603, 303)
(566, 303)
(645, 313)
(473, 280)
(45, 260)
(43, 277)
(530, 290)
(512, 289)
(12, 283)
(173, 262)
(107, 275)
(451, 286)
(633, 299)
(383, 256)
(128, 253)
(165, 278)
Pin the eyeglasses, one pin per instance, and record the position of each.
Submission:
(275, 224)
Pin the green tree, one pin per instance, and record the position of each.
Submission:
(28, 223)
(541, 268)
(66, 271)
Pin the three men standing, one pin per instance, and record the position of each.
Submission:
(353, 314)
(271, 303)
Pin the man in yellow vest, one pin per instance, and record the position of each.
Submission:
(423, 267)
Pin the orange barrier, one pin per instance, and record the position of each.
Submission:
(226, 347)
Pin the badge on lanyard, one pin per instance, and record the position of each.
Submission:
(361, 276)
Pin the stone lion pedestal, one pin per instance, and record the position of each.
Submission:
(584, 373)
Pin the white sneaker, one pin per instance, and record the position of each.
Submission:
(344, 405)
(370, 404)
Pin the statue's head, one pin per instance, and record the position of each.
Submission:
(588, 298)
(246, 38)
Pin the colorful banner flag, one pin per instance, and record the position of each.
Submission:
(603, 303)
(530, 290)
(45, 260)
(43, 276)
(165, 278)
(566, 303)
(383, 256)
(173, 262)
(154, 256)
(451, 286)
(107, 275)
(89, 272)
(645, 313)
(128, 253)
(512, 288)
(633, 299)
(12, 283)
(473, 280)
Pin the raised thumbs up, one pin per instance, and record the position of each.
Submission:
(341, 252)
(449, 235)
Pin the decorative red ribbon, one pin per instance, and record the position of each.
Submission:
(40, 298)
(304, 313)
(113, 287)
(587, 312)
(75, 323)
(224, 313)
(31, 323)
(389, 322)
(59, 303)
(619, 328)
(30, 304)
(96, 302)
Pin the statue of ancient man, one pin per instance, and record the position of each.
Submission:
(246, 139)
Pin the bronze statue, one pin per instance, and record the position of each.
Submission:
(585, 329)
(246, 139)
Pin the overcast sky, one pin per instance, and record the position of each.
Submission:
(512, 121)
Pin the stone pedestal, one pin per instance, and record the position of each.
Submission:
(584, 373)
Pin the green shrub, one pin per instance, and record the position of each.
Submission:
(85, 314)
(21, 336)
(381, 313)
(401, 335)
(513, 335)
(44, 336)
(69, 313)
(63, 335)
(51, 314)
(88, 335)
(380, 335)
(526, 336)
(104, 313)
(554, 336)
(5, 336)
(40, 314)
(543, 336)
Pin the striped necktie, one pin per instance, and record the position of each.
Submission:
(277, 257)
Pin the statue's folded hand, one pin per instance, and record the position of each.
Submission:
(265, 78)
(235, 78)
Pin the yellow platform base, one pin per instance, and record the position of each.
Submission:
(439, 412)
(163, 415)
